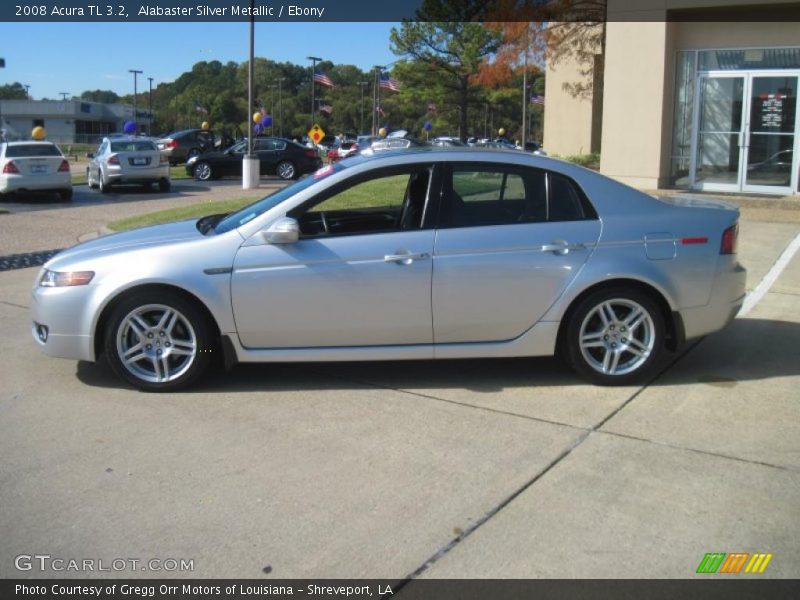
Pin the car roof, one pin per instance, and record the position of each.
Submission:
(29, 142)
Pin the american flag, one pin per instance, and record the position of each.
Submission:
(388, 83)
(323, 79)
(199, 107)
(326, 108)
(537, 99)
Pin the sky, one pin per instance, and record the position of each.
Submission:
(75, 57)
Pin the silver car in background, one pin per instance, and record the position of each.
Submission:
(416, 254)
(127, 160)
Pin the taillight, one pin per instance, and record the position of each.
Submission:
(113, 159)
(171, 144)
(163, 159)
(729, 239)
(64, 167)
(310, 153)
(10, 167)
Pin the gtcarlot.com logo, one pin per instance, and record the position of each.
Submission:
(734, 563)
(45, 562)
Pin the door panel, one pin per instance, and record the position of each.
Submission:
(335, 291)
(494, 283)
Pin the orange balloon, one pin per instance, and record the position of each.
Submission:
(257, 117)
(38, 133)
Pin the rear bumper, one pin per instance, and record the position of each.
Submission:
(51, 181)
(727, 297)
(138, 175)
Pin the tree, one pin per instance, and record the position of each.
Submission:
(451, 44)
(13, 91)
(104, 96)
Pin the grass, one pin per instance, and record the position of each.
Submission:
(192, 211)
(590, 161)
(175, 174)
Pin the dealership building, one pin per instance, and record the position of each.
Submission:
(687, 94)
(65, 121)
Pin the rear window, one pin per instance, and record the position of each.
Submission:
(23, 150)
(137, 146)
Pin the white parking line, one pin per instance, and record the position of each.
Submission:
(755, 296)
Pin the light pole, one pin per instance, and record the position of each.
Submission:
(150, 107)
(314, 60)
(362, 84)
(64, 95)
(280, 106)
(27, 87)
(375, 97)
(250, 163)
(135, 121)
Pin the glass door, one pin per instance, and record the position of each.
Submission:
(771, 145)
(717, 156)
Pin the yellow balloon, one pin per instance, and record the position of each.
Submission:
(38, 133)
(257, 117)
(205, 125)
(501, 131)
(382, 132)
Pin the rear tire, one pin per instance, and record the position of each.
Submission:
(203, 171)
(65, 195)
(164, 185)
(158, 341)
(615, 336)
(102, 186)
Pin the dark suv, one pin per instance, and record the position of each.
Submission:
(182, 145)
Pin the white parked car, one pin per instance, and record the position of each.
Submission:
(127, 160)
(34, 167)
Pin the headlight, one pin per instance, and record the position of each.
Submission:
(65, 278)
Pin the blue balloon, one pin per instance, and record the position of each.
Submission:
(266, 121)
(257, 128)
(428, 126)
(129, 127)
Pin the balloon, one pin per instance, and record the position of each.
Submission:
(266, 121)
(38, 133)
(382, 132)
(428, 126)
(129, 127)
(501, 131)
(257, 116)
(205, 125)
(257, 128)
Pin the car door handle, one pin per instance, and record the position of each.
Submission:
(561, 247)
(406, 258)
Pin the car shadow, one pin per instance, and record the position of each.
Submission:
(748, 350)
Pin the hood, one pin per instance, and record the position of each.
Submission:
(168, 233)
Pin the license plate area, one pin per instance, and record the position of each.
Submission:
(139, 161)
(38, 169)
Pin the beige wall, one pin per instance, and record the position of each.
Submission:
(567, 120)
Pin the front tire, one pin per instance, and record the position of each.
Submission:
(203, 171)
(615, 336)
(286, 170)
(65, 195)
(158, 341)
(164, 185)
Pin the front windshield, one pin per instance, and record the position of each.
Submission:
(250, 212)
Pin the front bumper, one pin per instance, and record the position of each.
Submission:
(62, 312)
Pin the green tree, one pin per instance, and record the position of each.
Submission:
(13, 91)
(105, 96)
(451, 44)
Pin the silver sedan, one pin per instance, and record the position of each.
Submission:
(127, 160)
(417, 254)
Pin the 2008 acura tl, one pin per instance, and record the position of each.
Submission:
(421, 254)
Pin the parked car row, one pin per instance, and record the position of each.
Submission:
(277, 156)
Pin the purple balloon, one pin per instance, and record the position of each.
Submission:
(427, 126)
(129, 127)
(266, 121)
(257, 128)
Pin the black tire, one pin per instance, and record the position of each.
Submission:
(65, 195)
(90, 184)
(203, 171)
(164, 185)
(150, 307)
(286, 170)
(637, 344)
(104, 188)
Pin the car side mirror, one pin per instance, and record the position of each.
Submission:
(90, 155)
(283, 231)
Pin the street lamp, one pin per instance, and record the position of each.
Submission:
(314, 60)
(250, 163)
(64, 95)
(280, 105)
(362, 84)
(135, 121)
(150, 107)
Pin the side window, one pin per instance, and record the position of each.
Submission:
(388, 202)
(495, 196)
(567, 202)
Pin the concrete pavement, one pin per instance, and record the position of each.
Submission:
(491, 468)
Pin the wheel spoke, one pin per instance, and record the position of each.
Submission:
(138, 325)
(183, 347)
(634, 343)
(593, 340)
(130, 351)
(635, 319)
(164, 366)
(134, 359)
(156, 368)
(614, 361)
